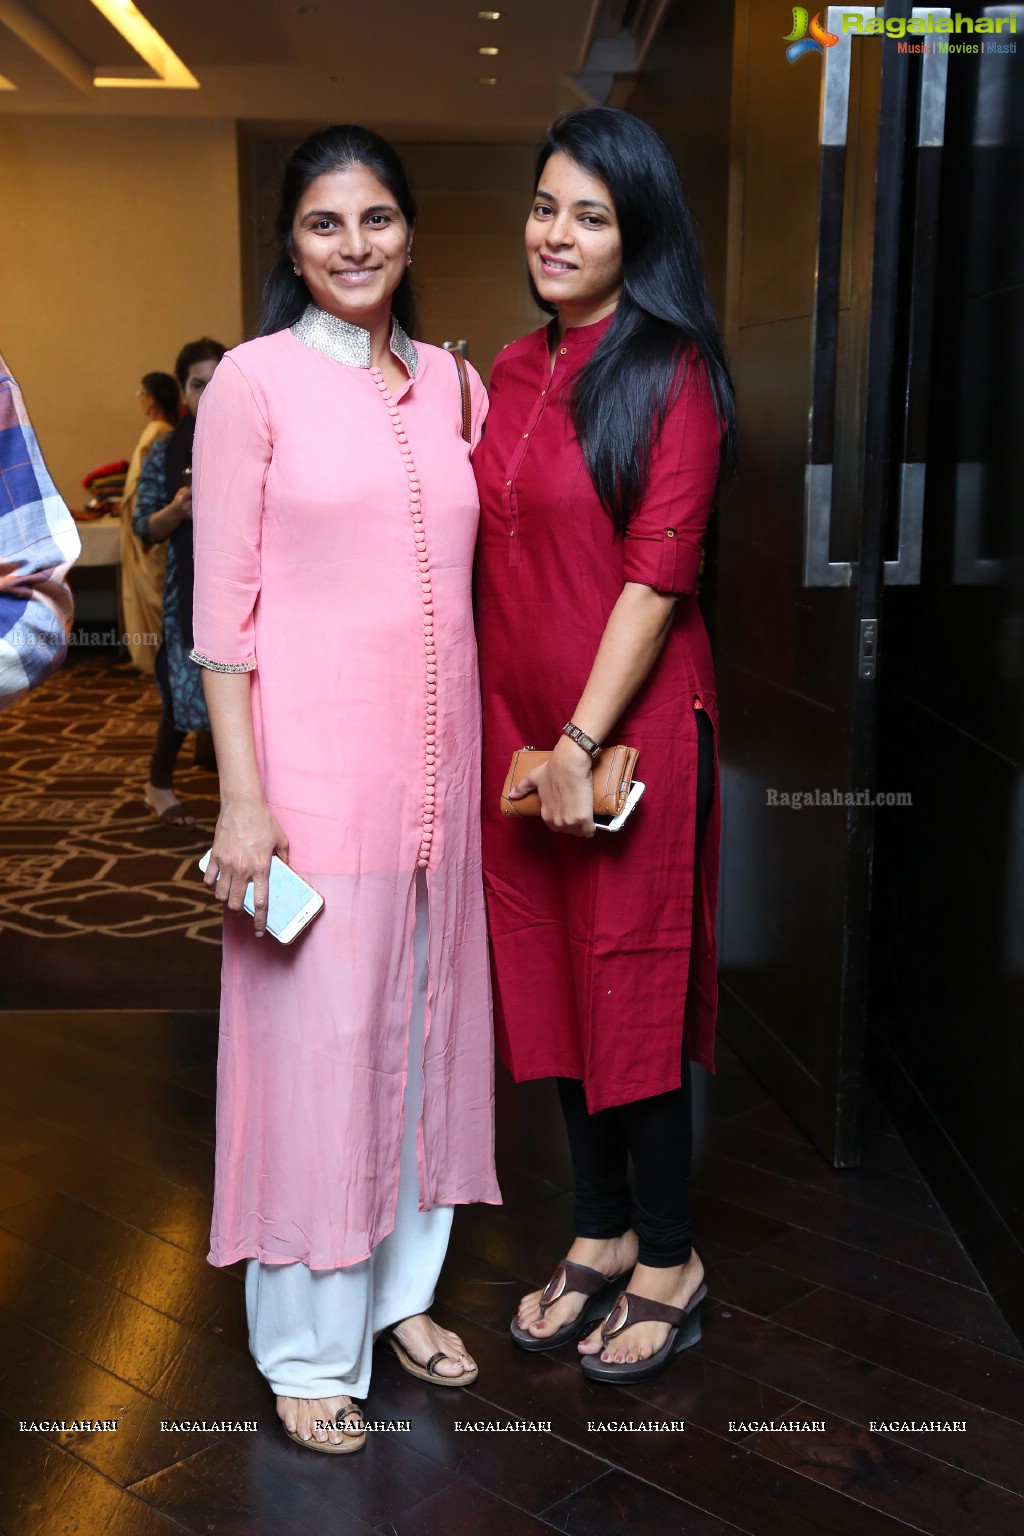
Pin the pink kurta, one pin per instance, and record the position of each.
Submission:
(334, 528)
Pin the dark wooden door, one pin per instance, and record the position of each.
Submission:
(816, 272)
(948, 955)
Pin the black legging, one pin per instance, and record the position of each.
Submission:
(655, 1133)
(168, 737)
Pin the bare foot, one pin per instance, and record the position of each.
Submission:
(608, 1255)
(160, 801)
(421, 1338)
(673, 1286)
(308, 1417)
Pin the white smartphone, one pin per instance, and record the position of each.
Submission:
(613, 823)
(292, 902)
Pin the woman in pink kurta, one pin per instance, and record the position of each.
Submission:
(605, 439)
(335, 514)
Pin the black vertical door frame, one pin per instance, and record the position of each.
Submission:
(880, 449)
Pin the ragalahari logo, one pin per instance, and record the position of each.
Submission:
(798, 40)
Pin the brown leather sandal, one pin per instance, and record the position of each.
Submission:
(684, 1331)
(354, 1438)
(429, 1372)
(566, 1278)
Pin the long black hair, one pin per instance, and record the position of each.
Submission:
(164, 389)
(620, 397)
(285, 295)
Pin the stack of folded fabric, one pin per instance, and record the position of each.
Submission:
(106, 485)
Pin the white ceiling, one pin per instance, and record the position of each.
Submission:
(405, 66)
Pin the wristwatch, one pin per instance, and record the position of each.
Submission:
(589, 745)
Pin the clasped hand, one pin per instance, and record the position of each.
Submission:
(248, 834)
(182, 503)
(565, 785)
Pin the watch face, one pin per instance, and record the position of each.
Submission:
(582, 740)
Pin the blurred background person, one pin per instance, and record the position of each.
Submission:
(142, 566)
(38, 544)
(163, 515)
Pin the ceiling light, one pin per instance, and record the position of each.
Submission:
(488, 79)
(489, 15)
(171, 73)
(490, 52)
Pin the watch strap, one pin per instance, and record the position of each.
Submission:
(589, 745)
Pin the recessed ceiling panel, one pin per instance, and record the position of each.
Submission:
(36, 81)
(84, 29)
(409, 66)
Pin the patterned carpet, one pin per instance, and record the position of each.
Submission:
(100, 905)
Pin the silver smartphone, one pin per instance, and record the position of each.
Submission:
(292, 902)
(613, 823)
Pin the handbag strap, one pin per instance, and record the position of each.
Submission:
(467, 409)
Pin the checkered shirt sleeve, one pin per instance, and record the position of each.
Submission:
(38, 544)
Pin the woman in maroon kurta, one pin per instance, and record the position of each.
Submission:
(592, 515)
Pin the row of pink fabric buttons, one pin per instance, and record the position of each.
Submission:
(427, 600)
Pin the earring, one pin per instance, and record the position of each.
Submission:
(408, 258)
(296, 271)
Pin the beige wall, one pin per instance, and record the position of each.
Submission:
(469, 267)
(122, 239)
(120, 242)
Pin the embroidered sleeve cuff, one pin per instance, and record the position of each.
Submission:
(222, 666)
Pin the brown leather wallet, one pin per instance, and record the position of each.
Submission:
(613, 777)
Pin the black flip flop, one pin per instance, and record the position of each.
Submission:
(171, 814)
(684, 1331)
(572, 1277)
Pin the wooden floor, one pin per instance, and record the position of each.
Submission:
(835, 1297)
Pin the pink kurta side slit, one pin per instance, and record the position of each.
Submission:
(335, 522)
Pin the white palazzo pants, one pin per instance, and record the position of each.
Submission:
(311, 1331)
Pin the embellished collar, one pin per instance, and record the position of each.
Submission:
(347, 343)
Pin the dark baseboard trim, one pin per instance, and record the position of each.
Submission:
(141, 1015)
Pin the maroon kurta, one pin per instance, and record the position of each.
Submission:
(596, 977)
